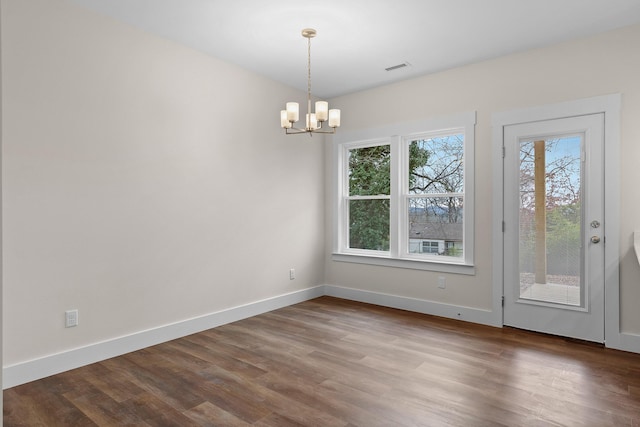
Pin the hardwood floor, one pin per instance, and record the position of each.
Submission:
(330, 362)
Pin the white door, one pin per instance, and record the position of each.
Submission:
(554, 226)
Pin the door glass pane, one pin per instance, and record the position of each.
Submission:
(551, 221)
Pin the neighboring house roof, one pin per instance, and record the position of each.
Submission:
(436, 231)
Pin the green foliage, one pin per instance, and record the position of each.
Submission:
(370, 174)
(370, 171)
(563, 240)
(418, 157)
(457, 252)
(369, 224)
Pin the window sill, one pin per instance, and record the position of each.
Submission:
(414, 264)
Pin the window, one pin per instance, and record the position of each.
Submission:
(430, 247)
(369, 197)
(407, 200)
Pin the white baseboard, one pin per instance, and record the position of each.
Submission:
(485, 317)
(625, 341)
(54, 364)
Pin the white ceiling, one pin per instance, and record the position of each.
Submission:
(358, 39)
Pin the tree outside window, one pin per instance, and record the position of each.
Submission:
(436, 193)
(369, 175)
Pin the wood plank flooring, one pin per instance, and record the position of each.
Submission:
(331, 362)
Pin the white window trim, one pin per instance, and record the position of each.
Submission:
(394, 135)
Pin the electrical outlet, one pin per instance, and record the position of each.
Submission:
(70, 318)
(442, 282)
(292, 274)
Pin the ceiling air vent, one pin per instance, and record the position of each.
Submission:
(397, 67)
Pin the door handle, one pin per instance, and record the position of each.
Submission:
(595, 239)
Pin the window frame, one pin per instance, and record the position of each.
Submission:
(406, 196)
(398, 137)
(346, 197)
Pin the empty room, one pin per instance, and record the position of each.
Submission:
(320, 213)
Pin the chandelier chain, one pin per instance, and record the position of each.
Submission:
(309, 70)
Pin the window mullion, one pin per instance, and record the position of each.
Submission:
(469, 191)
(397, 199)
(374, 197)
(343, 215)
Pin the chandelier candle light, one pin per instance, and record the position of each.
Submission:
(314, 121)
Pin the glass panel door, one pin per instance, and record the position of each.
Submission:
(554, 226)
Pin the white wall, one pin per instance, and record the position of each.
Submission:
(604, 64)
(144, 183)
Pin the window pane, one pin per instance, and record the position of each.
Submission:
(369, 224)
(435, 226)
(551, 220)
(369, 171)
(435, 165)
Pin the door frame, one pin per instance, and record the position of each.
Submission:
(610, 106)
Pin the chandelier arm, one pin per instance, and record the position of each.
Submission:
(297, 131)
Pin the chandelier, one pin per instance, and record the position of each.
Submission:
(313, 121)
